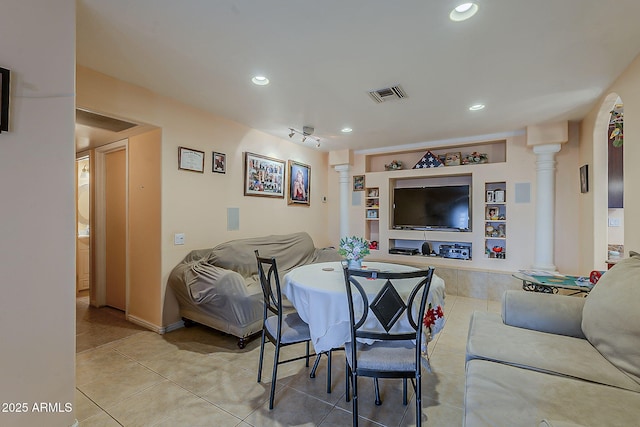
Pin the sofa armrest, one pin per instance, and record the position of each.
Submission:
(555, 314)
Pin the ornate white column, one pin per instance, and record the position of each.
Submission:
(343, 170)
(545, 205)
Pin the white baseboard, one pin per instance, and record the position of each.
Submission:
(155, 328)
(176, 325)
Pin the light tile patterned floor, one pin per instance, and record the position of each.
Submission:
(128, 376)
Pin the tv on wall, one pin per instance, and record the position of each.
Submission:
(432, 208)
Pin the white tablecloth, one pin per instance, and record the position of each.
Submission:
(320, 297)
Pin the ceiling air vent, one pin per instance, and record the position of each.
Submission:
(87, 118)
(387, 94)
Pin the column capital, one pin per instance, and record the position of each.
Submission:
(547, 148)
(342, 168)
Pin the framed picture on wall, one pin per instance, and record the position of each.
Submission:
(584, 179)
(190, 160)
(358, 183)
(263, 176)
(5, 76)
(299, 184)
(219, 164)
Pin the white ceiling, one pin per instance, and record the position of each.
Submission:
(529, 61)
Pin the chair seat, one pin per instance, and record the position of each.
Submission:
(384, 356)
(294, 329)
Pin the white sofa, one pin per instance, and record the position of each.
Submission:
(556, 360)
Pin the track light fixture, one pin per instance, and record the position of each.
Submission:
(305, 133)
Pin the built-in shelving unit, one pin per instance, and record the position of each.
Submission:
(495, 220)
(471, 248)
(372, 216)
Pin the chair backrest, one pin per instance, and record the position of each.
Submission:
(388, 306)
(270, 283)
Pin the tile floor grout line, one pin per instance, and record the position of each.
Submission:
(98, 405)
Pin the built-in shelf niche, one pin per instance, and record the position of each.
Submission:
(496, 153)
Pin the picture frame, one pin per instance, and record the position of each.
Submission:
(190, 159)
(299, 188)
(489, 196)
(5, 77)
(358, 183)
(499, 195)
(584, 178)
(263, 176)
(492, 213)
(452, 159)
(219, 162)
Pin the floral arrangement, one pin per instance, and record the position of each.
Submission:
(394, 165)
(353, 248)
(433, 319)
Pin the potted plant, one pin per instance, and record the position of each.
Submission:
(353, 249)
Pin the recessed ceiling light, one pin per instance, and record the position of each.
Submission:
(477, 107)
(463, 12)
(346, 130)
(260, 80)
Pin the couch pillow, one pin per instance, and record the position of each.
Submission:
(611, 316)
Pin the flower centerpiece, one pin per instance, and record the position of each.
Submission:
(353, 249)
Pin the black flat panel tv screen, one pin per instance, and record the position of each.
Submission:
(442, 207)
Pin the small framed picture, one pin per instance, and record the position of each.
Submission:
(299, 184)
(452, 159)
(358, 183)
(584, 179)
(263, 176)
(498, 196)
(190, 160)
(493, 213)
(490, 196)
(219, 164)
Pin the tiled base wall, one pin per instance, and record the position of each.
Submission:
(477, 284)
(480, 284)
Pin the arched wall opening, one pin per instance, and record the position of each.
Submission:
(599, 178)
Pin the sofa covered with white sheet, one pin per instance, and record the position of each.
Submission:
(220, 288)
(557, 360)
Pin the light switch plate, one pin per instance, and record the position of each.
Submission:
(178, 239)
(614, 222)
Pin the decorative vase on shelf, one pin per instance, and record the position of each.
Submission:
(355, 263)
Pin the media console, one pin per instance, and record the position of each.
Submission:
(404, 251)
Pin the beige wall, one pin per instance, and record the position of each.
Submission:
(593, 137)
(145, 226)
(196, 204)
(37, 266)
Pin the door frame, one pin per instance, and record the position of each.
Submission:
(100, 225)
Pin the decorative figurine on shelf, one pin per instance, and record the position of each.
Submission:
(501, 231)
(499, 251)
(373, 244)
(489, 230)
(394, 165)
(475, 158)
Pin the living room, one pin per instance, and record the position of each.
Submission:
(42, 137)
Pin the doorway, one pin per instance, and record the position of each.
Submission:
(83, 272)
(111, 228)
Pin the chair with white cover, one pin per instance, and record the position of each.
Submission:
(281, 329)
(391, 354)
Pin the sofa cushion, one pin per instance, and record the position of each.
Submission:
(611, 316)
(502, 395)
(490, 339)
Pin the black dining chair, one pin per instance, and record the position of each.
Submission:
(392, 354)
(281, 329)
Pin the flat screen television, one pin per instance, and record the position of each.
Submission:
(428, 208)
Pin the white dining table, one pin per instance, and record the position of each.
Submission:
(318, 293)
